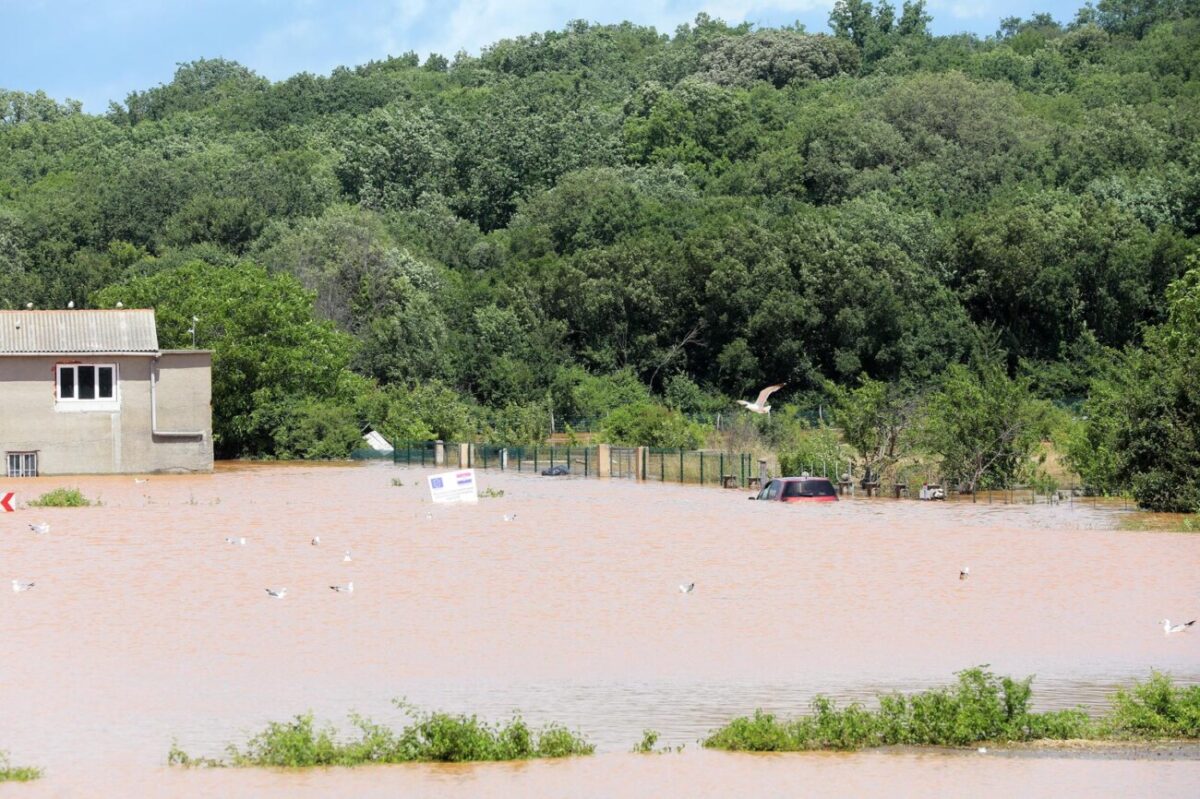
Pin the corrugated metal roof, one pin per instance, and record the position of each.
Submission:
(77, 332)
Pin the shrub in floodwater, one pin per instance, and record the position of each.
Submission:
(980, 707)
(439, 737)
(646, 745)
(10, 773)
(492, 493)
(1156, 708)
(61, 498)
(396, 481)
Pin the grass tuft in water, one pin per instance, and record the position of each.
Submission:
(430, 737)
(396, 481)
(10, 773)
(61, 498)
(491, 493)
(980, 707)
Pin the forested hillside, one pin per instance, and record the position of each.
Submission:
(607, 216)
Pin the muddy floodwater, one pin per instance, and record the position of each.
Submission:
(146, 627)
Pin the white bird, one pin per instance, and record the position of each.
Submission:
(964, 572)
(1169, 628)
(315, 540)
(41, 528)
(982, 750)
(346, 557)
(140, 480)
(19, 586)
(760, 405)
(241, 542)
(510, 517)
(71, 304)
(687, 589)
(348, 588)
(278, 593)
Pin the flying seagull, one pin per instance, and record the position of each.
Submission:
(687, 589)
(41, 528)
(510, 517)
(19, 586)
(1168, 628)
(346, 557)
(348, 588)
(760, 405)
(278, 593)
(964, 572)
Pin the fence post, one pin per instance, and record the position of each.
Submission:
(762, 472)
(681, 464)
(585, 461)
(439, 453)
(604, 460)
(662, 466)
(535, 458)
(701, 467)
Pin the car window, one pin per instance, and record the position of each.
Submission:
(773, 489)
(818, 488)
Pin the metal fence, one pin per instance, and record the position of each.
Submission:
(731, 470)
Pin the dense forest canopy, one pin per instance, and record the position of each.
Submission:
(580, 219)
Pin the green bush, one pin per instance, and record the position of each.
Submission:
(61, 498)
(1156, 708)
(814, 451)
(431, 737)
(651, 425)
(980, 707)
(9, 773)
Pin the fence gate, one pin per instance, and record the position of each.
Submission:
(622, 462)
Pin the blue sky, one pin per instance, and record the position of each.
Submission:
(99, 50)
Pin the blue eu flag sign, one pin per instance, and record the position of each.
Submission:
(436, 482)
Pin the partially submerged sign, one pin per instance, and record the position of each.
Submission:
(459, 486)
(7, 504)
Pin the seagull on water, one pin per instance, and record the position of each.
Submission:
(964, 572)
(348, 588)
(41, 528)
(510, 517)
(687, 589)
(140, 480)
(1169, 628)
(346, 557)
(316, 540)
(278, 593)
(241, 542)
(19, 586)
(760, 405)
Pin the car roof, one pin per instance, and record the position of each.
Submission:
(795, 479)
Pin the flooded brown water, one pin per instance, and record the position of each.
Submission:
(145, 626)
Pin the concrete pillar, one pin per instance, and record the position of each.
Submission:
(639, 454)
(762, 471)
(464, 455)
(439, 453)
(503, 459)
(604, 461)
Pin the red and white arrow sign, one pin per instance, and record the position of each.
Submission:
(6, 502)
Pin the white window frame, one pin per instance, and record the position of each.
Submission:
(22, 461)
(62, 403)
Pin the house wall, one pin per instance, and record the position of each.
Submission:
(110, 441)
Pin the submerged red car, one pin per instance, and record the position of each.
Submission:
(798, 489)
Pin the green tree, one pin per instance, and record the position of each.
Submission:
(270, 354)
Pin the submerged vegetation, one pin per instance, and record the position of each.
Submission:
(10, 773)
(431, 737)
(61, 498)
(981, 707)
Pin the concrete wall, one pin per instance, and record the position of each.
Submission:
(83, 441)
